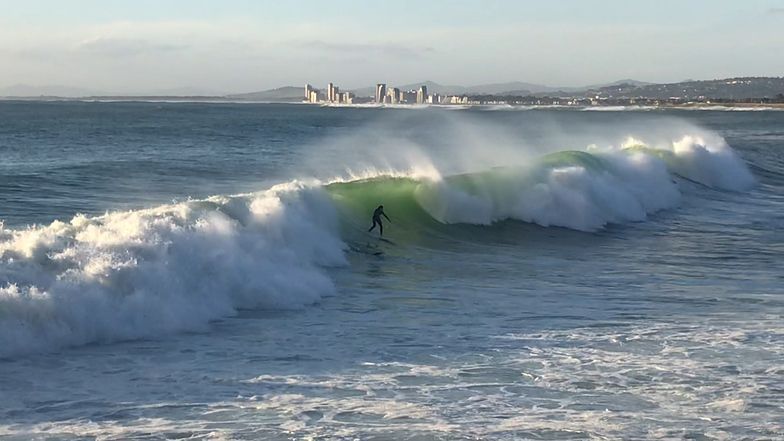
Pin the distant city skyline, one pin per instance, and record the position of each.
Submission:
(239, 46)
(382, 95)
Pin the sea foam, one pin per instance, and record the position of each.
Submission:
(575, 196)
(706, 159)
(150, 273)
(627, 186)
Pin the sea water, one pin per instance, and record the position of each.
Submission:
(203, 271)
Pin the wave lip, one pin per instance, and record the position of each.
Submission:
(151, 273)
(572, 189)
(707, 160)
(580, 190)
(575, 190)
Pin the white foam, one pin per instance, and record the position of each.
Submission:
(570, 196)
(731, 108)
(616, 108)
(632, 186)
(706, 159)
(712, 163)
(422, 170)
(150, 273)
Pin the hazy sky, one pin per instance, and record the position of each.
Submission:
(250, 45)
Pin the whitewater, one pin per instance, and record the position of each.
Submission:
(204, 271)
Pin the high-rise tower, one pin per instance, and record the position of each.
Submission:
(330, 92)
(381, 92)
(422, 95)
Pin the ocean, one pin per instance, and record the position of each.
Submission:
(204, 271)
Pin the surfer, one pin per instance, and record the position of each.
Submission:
(377, 219)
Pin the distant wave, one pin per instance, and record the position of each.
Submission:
(619, 108)
(734, 108)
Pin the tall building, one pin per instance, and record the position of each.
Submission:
(330, 92)
(308, 89)
(394, 95)
(381, 92)
(422, 95)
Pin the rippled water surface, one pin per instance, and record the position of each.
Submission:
(202, 271)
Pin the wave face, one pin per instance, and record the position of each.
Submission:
(573, 189)
(174, 268)
(569, 189)
(151, 273)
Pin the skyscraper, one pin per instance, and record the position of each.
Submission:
(330, 92)
(394, 95)
(381, 92)
(422, 95)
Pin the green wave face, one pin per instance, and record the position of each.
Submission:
(669, 157)
(420, 209)
(357, 200)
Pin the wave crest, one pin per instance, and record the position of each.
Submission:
(150, 273)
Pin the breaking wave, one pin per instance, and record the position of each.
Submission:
(174, 268)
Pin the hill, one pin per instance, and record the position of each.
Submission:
(281, 94)
(510, 88)
(728, 88)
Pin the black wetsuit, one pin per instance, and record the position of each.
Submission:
(377, 220)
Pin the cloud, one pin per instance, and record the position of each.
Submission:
(121, 47)
(396, 50)
(774, 11)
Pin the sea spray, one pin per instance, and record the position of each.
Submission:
(582, 190)
(569, 189)
(150, 273)
(706, 159)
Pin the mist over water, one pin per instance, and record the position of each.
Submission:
(547, 274)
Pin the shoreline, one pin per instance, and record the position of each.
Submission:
(222, 100)
(739, 105)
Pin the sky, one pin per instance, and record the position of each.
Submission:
(235, 46)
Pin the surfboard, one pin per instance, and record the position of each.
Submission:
(381, 239)
(366, 249)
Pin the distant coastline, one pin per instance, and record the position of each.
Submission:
(737, 105)
(737, 92)
(227, 100)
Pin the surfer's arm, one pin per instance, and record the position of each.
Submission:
(385, 215)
